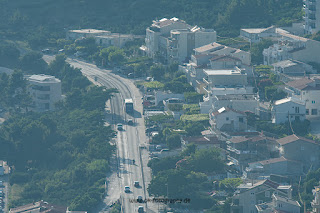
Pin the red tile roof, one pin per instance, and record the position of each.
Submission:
(300, 84)
(294, 138)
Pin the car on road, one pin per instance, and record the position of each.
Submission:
(139, 199)
(130, 122)
(119, 127)
(140, 209)
(126, 189)
(136, 184)
(131, 75)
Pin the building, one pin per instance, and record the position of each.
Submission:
(174, 40)
(37, 207)
(86, 33)
(255, 35)
(249, 195)
(312, 16)
(219, 49)
(306, 90)
(224, 78)
(114, 39)
(300, 149)
(292, 47)
(279, 204)
(240, 102)
(247, 149)
(292, 68)
(316, 202)
(229, 120)
(288, 110)
(45, 91)
(275, 166)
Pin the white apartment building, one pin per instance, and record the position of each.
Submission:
(292, 47)
(224, 78)
(312, 16)
(306, 90)
(45, 91)
(173, 39)
(288, 110)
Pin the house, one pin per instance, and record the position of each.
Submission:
(226, 119)
(45, 91)
(306, 90)
(224, 78)
(173, 39)
(316, 202)
(275, 166)
(219, 49)
(249, 195)
(37, 207)
(300, 149)
(312, 16)
(288, 110)
(279, 204)
(292, 68)
(292, 47)
(255, 35)
(240, 102)
(247, 149)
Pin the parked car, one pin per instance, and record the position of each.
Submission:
(119, 127)
(136, 184)
(130, 122)
(140, 209)
(131, 75)
(139, 199)
(126, 189)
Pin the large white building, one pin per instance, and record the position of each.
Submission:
(312, 16)
(174, 40)
(306, 90)
(45, 91)
(292, 47)
(102, 37)
(288, 110)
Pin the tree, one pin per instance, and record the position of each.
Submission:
(33, 63)
(117, 57)
(193, 97)
(173, 141)
(157, 71)
(194, 128)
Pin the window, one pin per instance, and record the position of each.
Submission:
(252, 193)
(297, 118)
(307, 111)
(227, 118)
(297, 109)
(314, 112)
(313, 102)
(241, 120)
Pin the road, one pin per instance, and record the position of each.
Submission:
(128, 140)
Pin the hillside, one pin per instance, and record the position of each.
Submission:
(51, 17)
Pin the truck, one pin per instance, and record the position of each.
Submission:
(129, 105)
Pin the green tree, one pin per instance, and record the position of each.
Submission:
(173, 141)
(33, 63)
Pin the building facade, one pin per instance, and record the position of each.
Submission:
(288, 110)
(45, 91)
(174, 40)
(312, 16)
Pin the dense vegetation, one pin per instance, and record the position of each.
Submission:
(40, 21)
(63, 156)
(185, 176)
